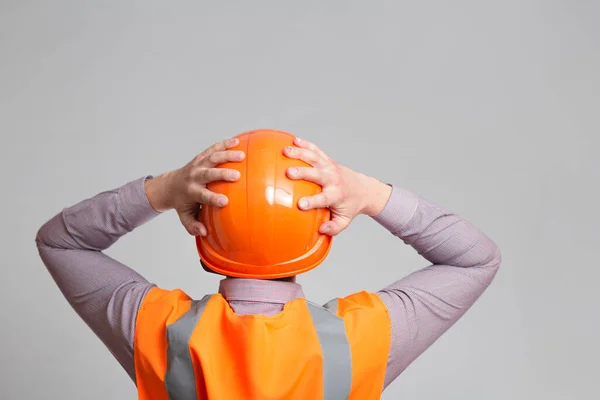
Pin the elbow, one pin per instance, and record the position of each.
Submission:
(497, 259)
(493, 261)
(46, 234)
(41, 236)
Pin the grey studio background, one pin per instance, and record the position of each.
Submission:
(490, 109)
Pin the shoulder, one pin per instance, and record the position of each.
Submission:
(369, 332)
(158, 295)
(365, 316)
(163, 304)
(359, 302)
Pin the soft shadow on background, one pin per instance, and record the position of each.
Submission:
(488, 109)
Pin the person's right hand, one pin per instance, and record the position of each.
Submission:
(185, 190)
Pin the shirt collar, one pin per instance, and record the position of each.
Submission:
(259, 290)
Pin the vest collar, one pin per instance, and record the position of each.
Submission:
(258, 290)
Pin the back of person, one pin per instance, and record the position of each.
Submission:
(187, 349)
(263, 208)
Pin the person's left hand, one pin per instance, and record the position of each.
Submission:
(345, 192)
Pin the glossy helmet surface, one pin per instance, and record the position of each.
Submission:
(261, 233)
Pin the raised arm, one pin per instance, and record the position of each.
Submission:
(424, 304)
(105, 293)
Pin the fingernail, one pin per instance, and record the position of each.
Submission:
(325, 228)
(290, 149)
(234, 175)
(298, 140)
(303, 203)
(293, 171)
(241, 155)
(222, 201)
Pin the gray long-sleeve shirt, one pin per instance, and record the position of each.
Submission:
(106, 294)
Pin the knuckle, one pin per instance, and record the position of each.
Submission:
(231, 142)
(215, 174)
(197, 174)
(335, 175)
(225, 174)
(304, 172)
(199, 157)
(209, 198)
(326, 174)
(312, 158)
(204, 196)
(230, 155)
(192, 175)
(217, 145)
(336, 192)
(215, 158)
(321, 176)
(232, 175)
(207, 175)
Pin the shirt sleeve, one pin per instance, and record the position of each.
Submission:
(105, 293)
(426, 303)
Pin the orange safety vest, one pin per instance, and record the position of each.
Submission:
(188, 349)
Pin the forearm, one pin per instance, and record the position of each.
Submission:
(96, 223)
(426, 303)
(439, 235)
(105, 293)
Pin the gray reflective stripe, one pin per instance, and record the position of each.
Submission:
(337, 360)
(179, 379)
(332, 305)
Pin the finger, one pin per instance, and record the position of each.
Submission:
(305, 144)
(207, 197)
(222, 157)
(308, 156)
(320, 200)
(221, 146)
(334, 227)
(310, 174)
(202, 229)
(191, 224)
(207, 175)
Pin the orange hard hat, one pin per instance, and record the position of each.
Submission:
(261, 233)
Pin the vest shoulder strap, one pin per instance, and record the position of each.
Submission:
(335, 350)
(369, 332)
(160, 309)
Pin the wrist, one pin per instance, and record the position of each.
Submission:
(376, 195)
(158, 193)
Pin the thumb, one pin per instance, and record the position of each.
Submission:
(190, 222)
(335, 226)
